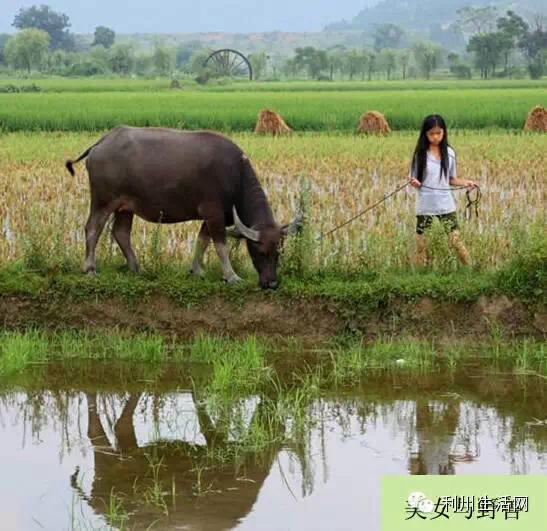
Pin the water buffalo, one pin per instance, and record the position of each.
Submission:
(169, 176)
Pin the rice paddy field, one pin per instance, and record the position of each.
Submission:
(45, 207)
(331, 111)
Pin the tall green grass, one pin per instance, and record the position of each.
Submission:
(237, 111)
(248, 365)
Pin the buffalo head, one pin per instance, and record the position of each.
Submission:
(264, 244)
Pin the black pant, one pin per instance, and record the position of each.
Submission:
(448, 221)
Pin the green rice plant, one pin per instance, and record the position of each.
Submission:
(155, 493)
(142, 347)
(237, 110)
(18, 350)
(116, 515)
(207, 347)
(240, 368)
(529, 357)
(348, 365)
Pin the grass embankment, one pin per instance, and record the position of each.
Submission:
(237, 110)
(310, 305)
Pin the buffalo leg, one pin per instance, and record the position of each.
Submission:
(217, 231)
(201, 247)
(93, 229)
(121, 231)
(124, 429)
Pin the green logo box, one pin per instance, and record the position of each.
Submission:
(464, 503)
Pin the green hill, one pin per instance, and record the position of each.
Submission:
(417, 15)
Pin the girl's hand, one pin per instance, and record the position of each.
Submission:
(415, 183)
(471, 184)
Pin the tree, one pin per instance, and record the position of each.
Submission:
(312, 60)
(185, 51)
(28, 49)
(388, 61)
(290, 68)
(457, 68)
(104, 37)
(453, 59)
(354, 63)
(476, 20)
(4, 37)
(122, 59)
(512, 27)
(336, 58)
(99, 55)
(428, 57)
(534, 45)
(54, 24)
(371, 63)
(197, 61)
(387, 36)
(487, 49)
(163, 60)
(404, 61)
(259, 61)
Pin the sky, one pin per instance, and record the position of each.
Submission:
(189, 16)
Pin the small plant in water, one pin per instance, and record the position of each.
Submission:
(115, 513)
(155, 494)
(199, 487)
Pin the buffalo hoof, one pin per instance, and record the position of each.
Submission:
(234, 279)
(272, 284)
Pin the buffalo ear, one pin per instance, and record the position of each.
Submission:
(295, 226)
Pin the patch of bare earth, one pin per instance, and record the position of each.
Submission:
(312, 321)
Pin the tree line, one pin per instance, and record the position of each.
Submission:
(496, 46)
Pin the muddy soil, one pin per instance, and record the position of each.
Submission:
(311, 321)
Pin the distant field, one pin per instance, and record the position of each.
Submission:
(237, 111)
(94, 84)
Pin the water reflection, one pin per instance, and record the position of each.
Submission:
(171, 457)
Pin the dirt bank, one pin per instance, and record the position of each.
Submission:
(312, 320)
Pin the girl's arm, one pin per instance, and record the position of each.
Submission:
(454, 181)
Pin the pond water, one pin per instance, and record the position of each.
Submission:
(94, 448)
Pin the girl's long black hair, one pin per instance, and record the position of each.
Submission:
(419, 160)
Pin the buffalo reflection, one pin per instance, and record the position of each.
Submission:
(180, 470)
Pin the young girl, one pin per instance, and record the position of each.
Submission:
(433, 171)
